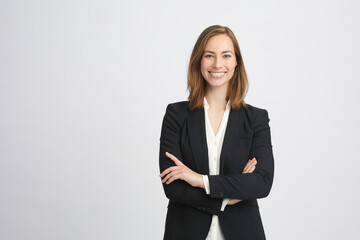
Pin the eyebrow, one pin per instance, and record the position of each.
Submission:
(221, 52)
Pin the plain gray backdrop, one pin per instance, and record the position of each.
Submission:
(83, 90)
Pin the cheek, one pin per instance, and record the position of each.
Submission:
(204, 66)
(203, 63)
(231, 65)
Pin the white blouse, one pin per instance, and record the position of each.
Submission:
(214, 144)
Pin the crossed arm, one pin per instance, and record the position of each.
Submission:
(182, 172)
(189, 187)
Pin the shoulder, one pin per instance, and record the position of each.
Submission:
(176, 112)
(181, 106)
(256, 113)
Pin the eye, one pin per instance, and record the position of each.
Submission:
(208, 56)
(227, 56)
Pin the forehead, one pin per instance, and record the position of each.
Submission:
(219, 43)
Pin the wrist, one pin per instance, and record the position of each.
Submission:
(201, 181)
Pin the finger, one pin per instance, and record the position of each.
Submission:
(249, 163)
(252, 167)
(166, 171)
(169, 169)
(253, 161)
(246, 169)
(173, 178)
(172, 157)
(170, 175)
(248, 166)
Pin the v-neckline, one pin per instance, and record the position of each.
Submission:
(211, 127)
(208, 118)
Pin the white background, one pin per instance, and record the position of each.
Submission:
(83, 91)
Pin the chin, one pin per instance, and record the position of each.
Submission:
(217, 84)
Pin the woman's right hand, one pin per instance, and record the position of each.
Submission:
(249, 168)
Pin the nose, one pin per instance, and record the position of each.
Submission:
(217, 62)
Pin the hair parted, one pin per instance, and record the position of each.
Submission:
(238, 85)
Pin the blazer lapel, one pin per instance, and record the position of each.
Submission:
(233, 131)
(197, 136)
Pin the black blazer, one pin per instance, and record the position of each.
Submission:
(190, 209)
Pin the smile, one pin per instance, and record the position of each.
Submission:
(217, 74)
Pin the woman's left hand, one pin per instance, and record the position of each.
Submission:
(180, 171)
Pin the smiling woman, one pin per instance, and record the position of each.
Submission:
(216, 155)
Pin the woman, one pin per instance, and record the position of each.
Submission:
(216, 155)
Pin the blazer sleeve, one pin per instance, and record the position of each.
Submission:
(258, 183)
(180, 191)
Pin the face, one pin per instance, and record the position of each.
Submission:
(218, 61)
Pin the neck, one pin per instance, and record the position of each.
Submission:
(216, 97)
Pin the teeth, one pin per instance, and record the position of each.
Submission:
(220, 74)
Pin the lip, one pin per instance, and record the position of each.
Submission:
(217, 74)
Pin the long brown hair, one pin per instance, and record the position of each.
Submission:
(238, 85)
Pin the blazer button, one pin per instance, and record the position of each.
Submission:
(221, 194)
(209, 209)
